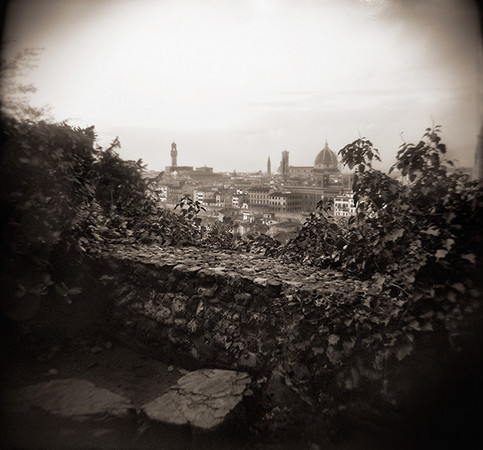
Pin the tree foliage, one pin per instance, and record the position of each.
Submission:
(46, 184)
(416, 237)
(15, 93)
(415, 244)
(63, 199)
(422, 227)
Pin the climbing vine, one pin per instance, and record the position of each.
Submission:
(418, 230)
(416, 244)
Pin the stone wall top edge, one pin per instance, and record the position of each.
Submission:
(263, 271)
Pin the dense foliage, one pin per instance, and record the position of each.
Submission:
(45, 187)
(416, 230)
(223, 233)
(415, 240)
(14, 93)
(63, 199)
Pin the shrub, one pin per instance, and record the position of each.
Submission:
(47, 184)
(416, 238)
(420, 230)
(63, 199)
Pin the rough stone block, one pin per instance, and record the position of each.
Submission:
(203, 399)
(71, 398)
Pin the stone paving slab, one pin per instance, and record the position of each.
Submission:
(71, 398)
(203, 399)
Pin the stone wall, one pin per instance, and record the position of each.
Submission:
(219, 308)
(310, 337)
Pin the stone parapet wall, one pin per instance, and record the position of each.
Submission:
(222, 308)
(310, 336)
(314, 340)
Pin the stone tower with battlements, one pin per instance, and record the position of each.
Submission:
(174, 155)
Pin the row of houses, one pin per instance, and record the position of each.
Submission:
(289, 201)
(274, 200)
(267, 198)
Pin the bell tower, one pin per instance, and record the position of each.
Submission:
(174, 155)
(284, 165)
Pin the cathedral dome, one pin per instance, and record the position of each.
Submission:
(326, 159)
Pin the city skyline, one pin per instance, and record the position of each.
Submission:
(236, 82)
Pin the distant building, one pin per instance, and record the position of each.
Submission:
(174, 155)
(326, 161)
(284, 165)
(309, 195)
(269, 167)
(160, 193)
(206, 175)
(344, 205)
(324, 172)
(326, 166)
(301, 171)
(247, 216)
(285, 201)
(219, 201)
(272, 200)
(231, 213)
(204, 170)
(176, 190)
(174, 168)
(203, 196)
(258, 196)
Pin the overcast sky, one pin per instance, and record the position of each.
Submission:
(233, 82)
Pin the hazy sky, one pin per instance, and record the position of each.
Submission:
(233, 82)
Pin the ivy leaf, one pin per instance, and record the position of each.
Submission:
(470, 257)
(75, 291)
(432, 231)
(414, 324)
(441, 253)
(449, 244)
(333, 339)
(396, 234)
(379, 280)
(62, 289)
(427, 327)
(333, 355)
(349, 345)
(459, 287)
(404, 350)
